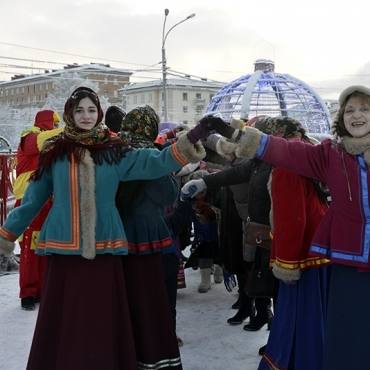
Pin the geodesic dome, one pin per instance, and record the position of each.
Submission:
(274, 94)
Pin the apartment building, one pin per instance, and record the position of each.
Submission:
(23, 91)
(187, 99)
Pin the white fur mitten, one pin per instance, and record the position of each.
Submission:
(248, 143)
(226, 149)
(192, 152)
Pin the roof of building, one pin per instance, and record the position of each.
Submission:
(174, 82)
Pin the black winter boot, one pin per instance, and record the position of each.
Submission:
(236, 304)
(244, 311)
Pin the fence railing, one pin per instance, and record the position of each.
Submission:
(7, 176)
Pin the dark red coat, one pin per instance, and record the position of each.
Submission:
(344, 233)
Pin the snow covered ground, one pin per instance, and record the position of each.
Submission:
(209, 342)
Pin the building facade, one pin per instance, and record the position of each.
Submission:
(187, 99)
(23, 91)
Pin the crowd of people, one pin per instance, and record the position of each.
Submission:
(105, 205)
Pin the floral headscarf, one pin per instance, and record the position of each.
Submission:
(140, 127)
(99, 133)
(74, 141)
(280, 126)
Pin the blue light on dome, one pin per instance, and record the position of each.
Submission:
(275, 94)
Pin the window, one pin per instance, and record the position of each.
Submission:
(135, 99)
(211, 96)
(142, 98)
(185, 109)
(150, 97)
(185, 122)
(185, 96)
(198, 95)
(199, 108)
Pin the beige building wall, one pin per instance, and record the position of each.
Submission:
(186, 103)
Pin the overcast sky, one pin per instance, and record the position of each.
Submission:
(321, 42)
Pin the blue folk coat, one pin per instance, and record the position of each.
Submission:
(61, 232)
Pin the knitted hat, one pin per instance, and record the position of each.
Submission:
(345, 94)
(46, 119)
(338, 123)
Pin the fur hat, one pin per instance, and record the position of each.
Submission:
(338, 125)
(46, 119)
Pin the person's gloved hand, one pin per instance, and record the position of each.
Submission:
(192, 188)
(6, 247)
(200, 131)
(229, 281)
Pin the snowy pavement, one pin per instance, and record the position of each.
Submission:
(209, 342)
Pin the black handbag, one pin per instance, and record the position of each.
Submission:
(260, 280)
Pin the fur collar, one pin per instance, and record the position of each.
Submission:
(86, 170)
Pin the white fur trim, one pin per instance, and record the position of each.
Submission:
(238, 124)
(226, 149)
(87, 205)
(6, 247)
(193, 153)
(249, 143)
(286, 275)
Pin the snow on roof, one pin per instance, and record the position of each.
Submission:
(92, 67)
(173, 82)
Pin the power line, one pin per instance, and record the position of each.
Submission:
(70, 54)
(32, 60)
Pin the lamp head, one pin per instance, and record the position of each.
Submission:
(166, 11)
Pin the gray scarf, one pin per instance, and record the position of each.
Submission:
(358, 145)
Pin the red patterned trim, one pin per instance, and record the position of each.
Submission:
(74, 244)
(8, 235)
(178, 155)
(113, 244)
(150, 246)
(271, 364)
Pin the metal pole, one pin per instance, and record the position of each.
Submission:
(164, 68)
(164, 84)
(164, 61)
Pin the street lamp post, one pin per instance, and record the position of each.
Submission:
(164, 61)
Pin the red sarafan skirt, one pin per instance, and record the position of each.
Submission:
(85, 322)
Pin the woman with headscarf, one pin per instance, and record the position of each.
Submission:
(344, 233)
(84, 320)
(141, 205)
